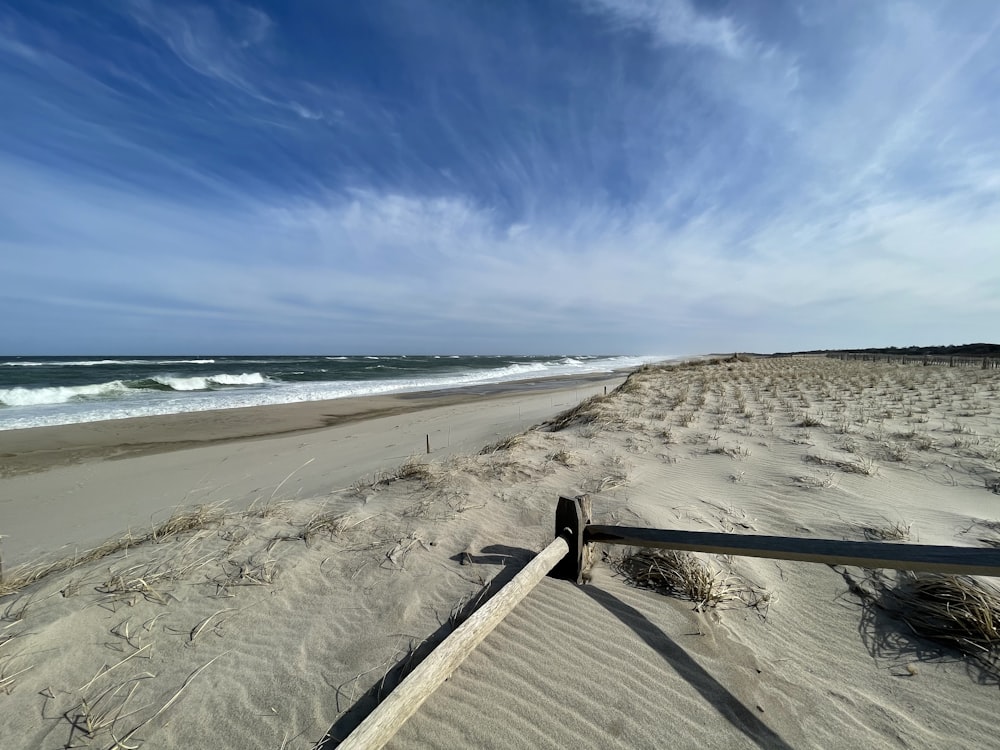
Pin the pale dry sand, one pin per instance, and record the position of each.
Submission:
(72, 486)
(269, 626)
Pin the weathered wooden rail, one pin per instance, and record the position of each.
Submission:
(986, 363)
(568, 554)
(573, 514)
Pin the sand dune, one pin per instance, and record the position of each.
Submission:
(267, 625)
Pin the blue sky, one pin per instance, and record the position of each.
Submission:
(630, 176)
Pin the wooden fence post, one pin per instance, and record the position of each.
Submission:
(572, 516)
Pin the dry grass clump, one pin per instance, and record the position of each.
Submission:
(891, 531)
(892, 451)
(181, 521)
(585, 412)
(327, 522)
(568, 459)
(8, 675)
(187, 519)
(255, 570)
(412, 470)
(735, 452)
(634, 382)
(503, 444)
(686, 418)
(150, 580)
(416, 470)
(684, 575)
(615, 476)
(104, 715)
(959, 611)
(864, 466)
(813, 482)
(849, 445)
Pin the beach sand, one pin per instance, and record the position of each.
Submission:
(282, 614)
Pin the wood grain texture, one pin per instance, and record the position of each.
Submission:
(382, 723)
(918, 557)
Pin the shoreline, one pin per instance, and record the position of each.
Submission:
(37, 449)
(68, 488)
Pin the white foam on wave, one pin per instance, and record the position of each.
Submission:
(246, 378)
(58, 394)
(21, 396)
(205, 382)
(97, 362)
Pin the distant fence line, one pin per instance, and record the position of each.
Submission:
(986, 363)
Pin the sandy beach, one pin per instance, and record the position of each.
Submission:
(258, 578)
(79, 472)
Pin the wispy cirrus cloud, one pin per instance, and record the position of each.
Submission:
(677, 22)
(229, 44)
(742, 178)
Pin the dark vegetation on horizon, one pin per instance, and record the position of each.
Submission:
(955, 350)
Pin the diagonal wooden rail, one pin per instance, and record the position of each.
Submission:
(382, 723)
(568, 556)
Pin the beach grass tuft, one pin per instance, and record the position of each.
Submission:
(585, 412)
(684, 575)
(181, 521)
(890, 531)
(864, 466)
(503, 444)
(8, 675)
(959, 611)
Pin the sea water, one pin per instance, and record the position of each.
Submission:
(39, 391)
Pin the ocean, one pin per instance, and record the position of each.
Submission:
(40, 391)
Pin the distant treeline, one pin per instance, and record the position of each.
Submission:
(957, 350)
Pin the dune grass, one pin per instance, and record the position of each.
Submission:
(687, 576)
(181, 521)
(962, 612)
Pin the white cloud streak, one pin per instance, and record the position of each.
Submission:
(858, 209)
(676, 22)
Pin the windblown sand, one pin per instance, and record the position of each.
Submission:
(277, 617)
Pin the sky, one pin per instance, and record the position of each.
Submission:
(526, 176)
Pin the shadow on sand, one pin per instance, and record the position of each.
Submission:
(513, 559)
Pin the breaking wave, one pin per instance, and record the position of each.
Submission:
(97, 362)
(118, 388)
(59, 394)
(207, 383)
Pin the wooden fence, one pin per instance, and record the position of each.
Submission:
(986, 363)
(568, 555)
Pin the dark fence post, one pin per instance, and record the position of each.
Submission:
(573, 514)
